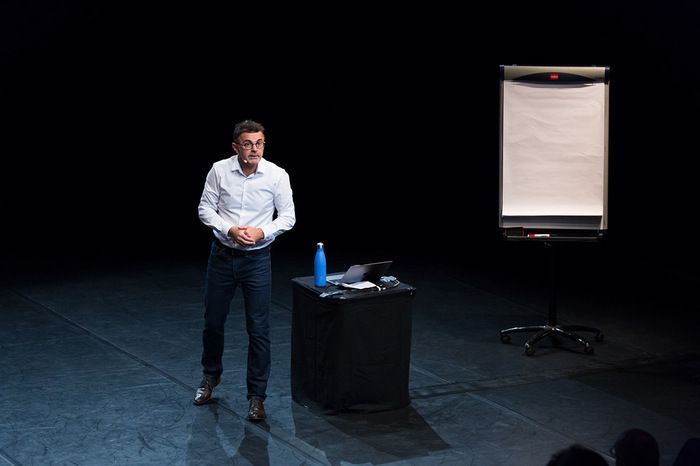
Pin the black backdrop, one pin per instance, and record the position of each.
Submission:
(112, 115)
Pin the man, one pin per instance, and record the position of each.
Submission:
(240, 197)
(636, 447)
(577, 455)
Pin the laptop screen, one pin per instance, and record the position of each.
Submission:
(361, 272)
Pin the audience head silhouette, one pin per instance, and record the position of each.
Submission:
(636, 447)
(689, 454)
(577, 455)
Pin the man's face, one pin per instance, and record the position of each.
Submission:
(250, 148)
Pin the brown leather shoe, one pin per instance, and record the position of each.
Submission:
(256, 410)
(205, 389)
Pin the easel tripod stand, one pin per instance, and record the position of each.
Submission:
(552, 328)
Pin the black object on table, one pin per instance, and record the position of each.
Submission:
(351, 349)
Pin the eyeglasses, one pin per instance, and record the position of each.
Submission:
(247, 145)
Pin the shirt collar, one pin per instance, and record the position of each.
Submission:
(237, 165)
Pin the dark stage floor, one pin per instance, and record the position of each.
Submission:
(99, 367)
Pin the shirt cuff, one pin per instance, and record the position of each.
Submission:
(267, 231)
(225, 228)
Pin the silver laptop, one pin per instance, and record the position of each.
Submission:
(360, 272)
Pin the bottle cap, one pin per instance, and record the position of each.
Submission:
(319, 244)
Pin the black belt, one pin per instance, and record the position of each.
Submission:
(241, 252)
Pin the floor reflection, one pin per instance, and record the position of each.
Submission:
(219, 436)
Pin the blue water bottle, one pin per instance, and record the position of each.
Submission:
(320, 266)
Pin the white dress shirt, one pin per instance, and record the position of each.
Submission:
(232, 199)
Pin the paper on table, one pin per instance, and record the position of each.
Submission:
(359, 285)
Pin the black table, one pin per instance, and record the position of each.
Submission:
(351, 351)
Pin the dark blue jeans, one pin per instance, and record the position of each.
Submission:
(227, 270)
